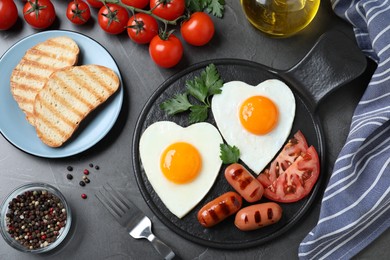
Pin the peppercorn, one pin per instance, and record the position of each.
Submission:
(69, 176)
(82, 184)
(86, 172)
(97, 167)
(84, 196)
(69, 168)
(87, 180)
(91, 165)
(32, 216)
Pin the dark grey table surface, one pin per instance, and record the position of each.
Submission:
(95, 235)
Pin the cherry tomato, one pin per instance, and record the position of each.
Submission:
(113, 18)
(297, 180)
(8, 14)
(40, 14)
(78, 12)
(141, 28)
(141, 4)
(168, 9)
(95, 3)
(198, 30)
(166, 52)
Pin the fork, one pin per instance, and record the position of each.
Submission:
(128, 215)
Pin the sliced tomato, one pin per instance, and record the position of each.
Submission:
(296, 181)
(290, 152)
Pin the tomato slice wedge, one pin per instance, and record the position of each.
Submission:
(293, 173)
(290, 152)
(297, 180)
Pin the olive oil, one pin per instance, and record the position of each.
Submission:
(280, 18)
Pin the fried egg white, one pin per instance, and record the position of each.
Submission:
(255, 119)
(181, 163)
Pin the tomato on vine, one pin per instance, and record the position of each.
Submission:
(8, 14)
(168, 9)
(40, 14)
(113, 18)
(166, 51)
(141, 28)
(141, 4)
(78, 12)
(198, 29)
(95, 3)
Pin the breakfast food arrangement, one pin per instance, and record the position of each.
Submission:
(178, 122)
(255, 122)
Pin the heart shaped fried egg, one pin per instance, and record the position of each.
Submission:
(181, 163)
(255, 119)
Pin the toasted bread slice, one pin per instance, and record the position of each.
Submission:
(38, 63)
(68, 97)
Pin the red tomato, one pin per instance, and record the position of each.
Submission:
(78, 12)
(166, 52)
(113, 18)
(8, 14)
(198, 30)
(40, 14)
(141, 4)
(168, 9)
(141, 28)
(290, 152)
(95, 3)
(297, 180)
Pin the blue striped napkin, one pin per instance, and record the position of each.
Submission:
(355, 208)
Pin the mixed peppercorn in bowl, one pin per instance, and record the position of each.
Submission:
(35, 218)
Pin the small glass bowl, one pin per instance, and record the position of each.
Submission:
(4, 220)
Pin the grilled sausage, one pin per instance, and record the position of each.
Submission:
(244, 182)
(220, 208)
(257, 216)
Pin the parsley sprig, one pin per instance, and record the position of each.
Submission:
(214, 7)
(229, 154)
(202, 88)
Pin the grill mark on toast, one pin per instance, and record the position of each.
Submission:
(84, 87)
(58, 42)
(32, 65)
(74, 95)
(25, 89)
(51, 58)
(90, 83)
(52, 128)
(64, 103)
(64, 44)
(92, 71)
(22, 76)
(49, 105)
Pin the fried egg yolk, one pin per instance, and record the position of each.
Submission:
(181, 162)
(258, 115)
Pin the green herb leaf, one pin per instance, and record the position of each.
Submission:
(201, 88)
(197, 89)
(199, 113)
(229, 154)
(176, 105)
(212, 80)
(216, 8)
(196, 5)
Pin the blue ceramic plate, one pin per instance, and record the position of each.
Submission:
(13, 124)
